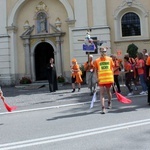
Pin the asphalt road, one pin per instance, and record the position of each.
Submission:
(64, 121)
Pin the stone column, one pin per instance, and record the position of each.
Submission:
(3, 17)
(58, 56)
(27, 58)
(13, 53)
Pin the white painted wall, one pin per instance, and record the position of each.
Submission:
(80, 10)
(99, 13)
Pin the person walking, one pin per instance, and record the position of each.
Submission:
(128, 74)
(76, 75)
(52, 76)
(1, 94)
(116, 71)
(148, 78)
(90, 74)
(104, 71)
(134, 79)
(141, 72)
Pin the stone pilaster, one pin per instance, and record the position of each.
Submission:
(58, 56)
(27, 58)
(99, 13)
(80, 10)
(3, 17)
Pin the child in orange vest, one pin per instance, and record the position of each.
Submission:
(76, 75)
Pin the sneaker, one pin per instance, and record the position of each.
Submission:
(143, 93)
(73, 90)
(103, 110)
(109, 105)
(129, 94)
(135, 88)
(91, 94)
(146, 92)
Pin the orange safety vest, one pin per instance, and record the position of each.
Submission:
(104, 66)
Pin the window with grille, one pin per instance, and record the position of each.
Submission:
(130, 25)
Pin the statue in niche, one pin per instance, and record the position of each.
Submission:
(42, 23)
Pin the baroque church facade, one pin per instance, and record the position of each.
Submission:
(33, 31)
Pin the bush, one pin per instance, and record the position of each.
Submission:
(25, 80)
(60, 79)
(132, 50)
(83, 71)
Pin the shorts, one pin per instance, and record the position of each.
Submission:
(106, 85)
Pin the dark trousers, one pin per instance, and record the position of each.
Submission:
(128, 81)
(148, 96)
(116, 83)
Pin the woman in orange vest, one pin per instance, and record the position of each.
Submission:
(76, 75)
(104, 70)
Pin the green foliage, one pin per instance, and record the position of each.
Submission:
(60, 79)
(25, 80)
(132, 50)
(83, 72)
(82, 69)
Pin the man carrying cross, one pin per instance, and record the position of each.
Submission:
(104, 71)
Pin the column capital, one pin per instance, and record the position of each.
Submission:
(12, 29)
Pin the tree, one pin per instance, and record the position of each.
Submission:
(132, 50)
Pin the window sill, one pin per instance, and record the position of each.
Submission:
(132, 40)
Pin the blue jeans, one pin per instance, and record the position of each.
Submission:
(143, 82)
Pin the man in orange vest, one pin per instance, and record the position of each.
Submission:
(104, 70)
(90, 74)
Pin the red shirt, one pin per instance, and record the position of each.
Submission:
(140, 64)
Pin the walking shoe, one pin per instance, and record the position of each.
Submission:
(73, 90)
(135, 88)
(129, 94)
(146, 92)
(103, 110)
(109, 105)
(143, 93)
(91, 94)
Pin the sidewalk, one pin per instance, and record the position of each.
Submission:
(38, 95)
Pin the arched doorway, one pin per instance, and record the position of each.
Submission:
(43, 52)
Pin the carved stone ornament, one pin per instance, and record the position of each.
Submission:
(41, 7)
(58, 24)
(26, 25)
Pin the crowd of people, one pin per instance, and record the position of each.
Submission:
(105, 71)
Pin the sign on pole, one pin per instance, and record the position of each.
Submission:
(89, 48)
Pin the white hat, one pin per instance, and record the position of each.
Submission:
(103, 48)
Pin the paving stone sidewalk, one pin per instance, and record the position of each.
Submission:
(38, 94)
